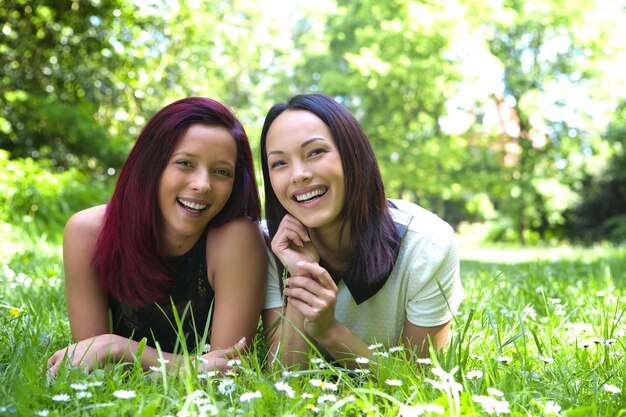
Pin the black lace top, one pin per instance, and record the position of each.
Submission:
(191, 294)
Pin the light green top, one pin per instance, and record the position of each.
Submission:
(424, 287)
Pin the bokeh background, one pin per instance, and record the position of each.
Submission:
(505, 117)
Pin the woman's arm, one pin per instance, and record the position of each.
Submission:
(237, 269)
(314, 297)
(421, 339)
(87, 303)
(238, 286)
(286, 337)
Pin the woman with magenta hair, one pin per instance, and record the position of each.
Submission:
(362, 269)
(169, 244)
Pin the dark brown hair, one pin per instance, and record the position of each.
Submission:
(373, 235)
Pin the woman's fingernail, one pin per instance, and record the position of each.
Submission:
(242, 341)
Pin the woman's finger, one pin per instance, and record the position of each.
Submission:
(304, 308)
(285, 238)
(320, 274)
(294, 226)
(301, 294)
(290, 231)
(308, 283)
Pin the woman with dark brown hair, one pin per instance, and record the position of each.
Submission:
(362, 268)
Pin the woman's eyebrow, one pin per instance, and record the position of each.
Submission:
(307, 142)
(303, 145)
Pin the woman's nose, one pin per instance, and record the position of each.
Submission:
(201, 182)
(300, 173)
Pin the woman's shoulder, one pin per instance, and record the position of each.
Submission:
(230, 244)
(424, 226)
(86, 222)
(234, 233)
(421, 219)
(82, 231)
(239, 224)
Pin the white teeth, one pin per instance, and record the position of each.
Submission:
(191, 205)
(310, 195)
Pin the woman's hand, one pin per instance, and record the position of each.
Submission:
(218, 359)
(292, 244)
(315, 296)
(89, 353)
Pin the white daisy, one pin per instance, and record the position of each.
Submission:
(475, 374)
(124, 394)
(326, 397)
(492, 405)
(284, 387)
(61, 398)
(329, 386)
(611, 388)
(495, 392)
(248, 396)
(393, 382)
(233, 362)
(226, 386)
(551, 408)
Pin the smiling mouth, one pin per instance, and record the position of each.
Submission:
(311, 195)
(193, 207)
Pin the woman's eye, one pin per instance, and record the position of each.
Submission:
(223, 172)
(184, 163)
(276, 164)
(316, 152)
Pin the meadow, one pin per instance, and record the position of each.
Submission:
(541, 332)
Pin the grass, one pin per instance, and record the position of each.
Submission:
(542, 332)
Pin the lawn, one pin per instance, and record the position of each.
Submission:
(542, 332)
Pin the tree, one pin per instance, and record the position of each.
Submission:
(67, 71)
(388, 62)
(602, 211)
(548, 51)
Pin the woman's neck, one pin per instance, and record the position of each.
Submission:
(176, 246)
(333, 247)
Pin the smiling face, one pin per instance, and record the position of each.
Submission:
(305, 168)
(196, 183)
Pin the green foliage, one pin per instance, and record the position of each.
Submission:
(602, 213)
(35, 196)
(437, 87)
(542, 52)
(390, 67)
(66, 69)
